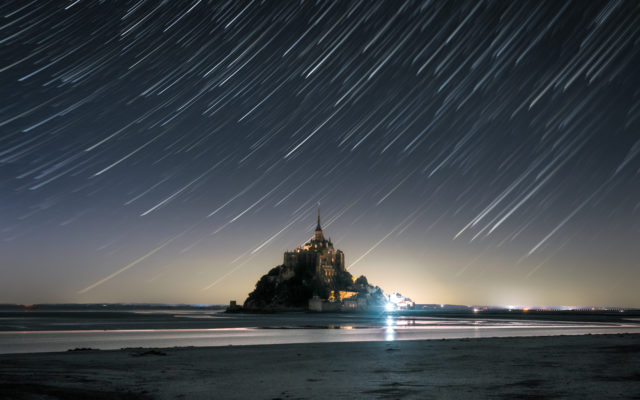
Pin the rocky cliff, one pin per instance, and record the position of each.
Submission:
(283, 288)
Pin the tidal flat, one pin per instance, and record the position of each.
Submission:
(586, 366)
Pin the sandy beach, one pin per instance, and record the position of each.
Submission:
(589, 366)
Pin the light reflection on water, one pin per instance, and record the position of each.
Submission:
(301, 329)
(390, 332)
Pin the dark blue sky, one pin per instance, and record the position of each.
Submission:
(483, 152)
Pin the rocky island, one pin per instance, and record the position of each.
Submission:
(313, 277)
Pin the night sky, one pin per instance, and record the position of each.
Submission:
(462, 152)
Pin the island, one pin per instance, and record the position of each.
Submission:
(313, 277)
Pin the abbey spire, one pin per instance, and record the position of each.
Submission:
(317, 235)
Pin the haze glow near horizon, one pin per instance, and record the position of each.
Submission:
(464, 153)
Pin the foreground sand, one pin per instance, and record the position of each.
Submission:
(591, 366)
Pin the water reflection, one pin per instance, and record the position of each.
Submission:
(280, 329)
(389, 331)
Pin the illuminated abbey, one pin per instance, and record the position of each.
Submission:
(313, 277)
(318, 252)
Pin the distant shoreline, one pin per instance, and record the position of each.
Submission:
(588, 366)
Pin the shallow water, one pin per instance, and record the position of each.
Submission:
(63, 332)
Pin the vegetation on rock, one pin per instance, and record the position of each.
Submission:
(279, 290)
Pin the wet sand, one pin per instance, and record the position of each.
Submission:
(590, 366)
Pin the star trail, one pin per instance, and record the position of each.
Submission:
(468, 152)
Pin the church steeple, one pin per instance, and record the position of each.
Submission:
(317, 235)
(318, 227)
